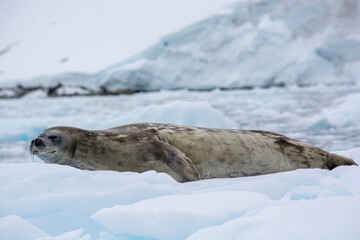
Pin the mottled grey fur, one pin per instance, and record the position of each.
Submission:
(185, 153)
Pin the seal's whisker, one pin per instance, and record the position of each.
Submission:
(31, 154)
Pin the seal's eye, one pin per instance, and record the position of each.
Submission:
(53, 137)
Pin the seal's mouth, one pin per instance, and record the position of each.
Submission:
(34, 152)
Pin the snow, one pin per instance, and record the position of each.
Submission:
(73, 235)
(343, 108)
(286, 221)
(61, 199)
(11, 224)
(191, 212)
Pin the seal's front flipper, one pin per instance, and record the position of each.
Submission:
(175, 160)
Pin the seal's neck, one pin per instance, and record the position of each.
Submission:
(82, 150)
(73, 149)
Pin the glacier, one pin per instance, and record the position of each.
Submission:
(248, 44)
(254, 44)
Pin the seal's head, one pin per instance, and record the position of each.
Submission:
(55, 145)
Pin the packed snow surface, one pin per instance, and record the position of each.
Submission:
(46, 200)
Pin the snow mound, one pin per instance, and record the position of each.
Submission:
(72, 235)
(178, 215)
(13, 227)
(182, 113)
(280, 222)
(344, 113)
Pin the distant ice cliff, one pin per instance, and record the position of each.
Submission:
(254, 44)
(251, 44)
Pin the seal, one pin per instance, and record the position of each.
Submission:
(185, 153)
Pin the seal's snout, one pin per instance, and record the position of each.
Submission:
(36, 144)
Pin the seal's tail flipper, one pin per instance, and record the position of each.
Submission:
(335, 160)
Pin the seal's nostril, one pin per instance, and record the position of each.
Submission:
(37, 142)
